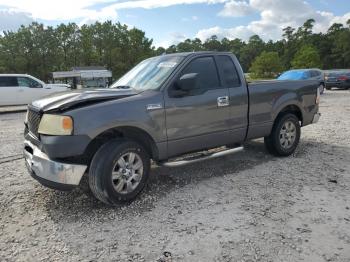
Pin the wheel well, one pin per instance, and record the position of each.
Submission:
(132, 133)
(293, 109)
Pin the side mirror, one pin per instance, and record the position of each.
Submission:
(184, 85)
(36, 85)
(188, 82)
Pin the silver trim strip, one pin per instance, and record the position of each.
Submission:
(223, 101)
(42, 166)
(154, 106)
(214, 155)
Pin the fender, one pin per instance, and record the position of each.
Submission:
(287, 99)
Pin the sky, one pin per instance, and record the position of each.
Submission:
(168, 22)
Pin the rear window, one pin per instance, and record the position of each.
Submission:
(229, 72)
(315, 73)
(293, 75)
(8, 81)
(336, 74)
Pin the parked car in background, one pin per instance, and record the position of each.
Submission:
(21, 89)
(304, 74)
(338, 79)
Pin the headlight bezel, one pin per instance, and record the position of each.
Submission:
(56, 125)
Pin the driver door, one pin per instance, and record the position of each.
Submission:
(201, 118)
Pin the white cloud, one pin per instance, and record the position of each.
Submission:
(75, 9)
(239, 31)
(192, 18)
(172, 39)
(59, 10)
(148, 4)
(274, 16)
(10, 20)
(83, 10)
(237, 8)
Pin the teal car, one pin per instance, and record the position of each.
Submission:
(305, 74)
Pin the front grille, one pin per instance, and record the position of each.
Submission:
(33, 121)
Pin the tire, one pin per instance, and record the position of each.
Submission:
(282, 131)
(328, 88)
(127, 181)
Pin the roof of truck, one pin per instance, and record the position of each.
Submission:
(197, 52)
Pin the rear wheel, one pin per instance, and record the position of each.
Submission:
(119, 171)
(285, 135)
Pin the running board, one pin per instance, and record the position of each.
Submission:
(194, 159)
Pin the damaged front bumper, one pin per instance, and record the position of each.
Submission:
(52, 174)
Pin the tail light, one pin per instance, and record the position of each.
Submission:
(318, 96)
(343, 78)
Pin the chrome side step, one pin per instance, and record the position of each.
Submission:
(203, 156)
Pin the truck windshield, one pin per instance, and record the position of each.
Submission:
(149, 74)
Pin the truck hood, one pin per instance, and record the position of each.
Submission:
(63, 101)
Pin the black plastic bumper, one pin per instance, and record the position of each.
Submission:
(60, 146)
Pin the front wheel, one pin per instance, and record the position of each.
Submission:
(321, 87)
(119, 171)
(285, 135)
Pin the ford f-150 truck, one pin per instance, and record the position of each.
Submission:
(166, 106)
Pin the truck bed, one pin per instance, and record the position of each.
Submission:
(271, 96)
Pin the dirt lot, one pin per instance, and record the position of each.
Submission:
(247, 206)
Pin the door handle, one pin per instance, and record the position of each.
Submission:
(223, 101)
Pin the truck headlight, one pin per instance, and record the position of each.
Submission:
(56, 125)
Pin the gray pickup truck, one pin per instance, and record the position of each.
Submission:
(165, 107)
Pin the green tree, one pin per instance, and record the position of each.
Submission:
(307, 57)
(39, 50)
(212, 44)
(266, 65)
(250, 51)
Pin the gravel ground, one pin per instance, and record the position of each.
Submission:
(247, 206)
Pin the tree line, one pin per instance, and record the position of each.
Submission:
(40, 50)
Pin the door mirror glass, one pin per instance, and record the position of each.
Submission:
(188, 82)
(37, 85)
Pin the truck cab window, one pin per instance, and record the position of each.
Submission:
(207, 74)
(229, 73)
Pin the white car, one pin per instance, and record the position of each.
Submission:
(21, 89)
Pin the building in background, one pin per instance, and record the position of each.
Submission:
(84, 77)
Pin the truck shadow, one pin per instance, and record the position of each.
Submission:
(77, 205)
